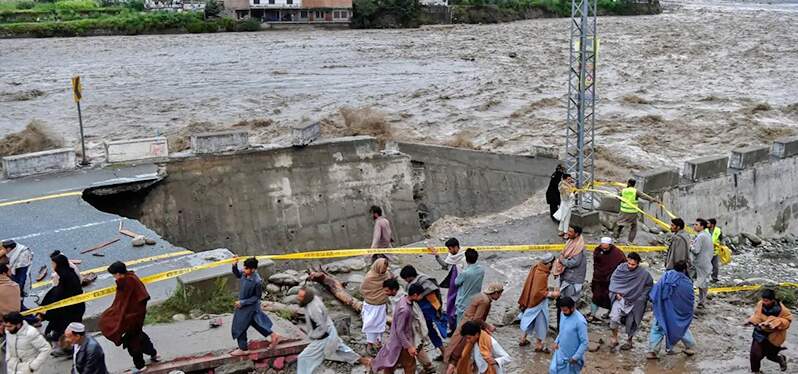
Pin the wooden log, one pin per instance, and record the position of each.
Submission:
(99, 246)
(336, 288)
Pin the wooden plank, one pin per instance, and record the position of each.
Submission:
(128, 233)
(99, 246)
(213, 360)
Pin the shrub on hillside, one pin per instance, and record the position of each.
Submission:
(213, 9)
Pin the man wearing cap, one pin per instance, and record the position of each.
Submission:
(534, 303)
(26, 348)
(88, 356)
(606, 257)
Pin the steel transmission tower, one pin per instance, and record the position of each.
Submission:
(580, 134)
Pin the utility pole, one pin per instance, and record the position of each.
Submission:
(580, 134)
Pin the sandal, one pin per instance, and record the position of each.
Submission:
(523, 343)
(543, 349)
(429, 370)
(626, 346)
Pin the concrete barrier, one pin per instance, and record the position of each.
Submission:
(705, 167)
(303, 135)
(746, 157)
(785, 147)
(39, 162)
(136, 149)
(657, 180)
(215, 142)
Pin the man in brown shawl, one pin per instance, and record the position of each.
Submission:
(534, 304)
(123, 322)
(477, 311)
(375, 304)
(606, 257)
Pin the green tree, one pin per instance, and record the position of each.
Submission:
(213, 9)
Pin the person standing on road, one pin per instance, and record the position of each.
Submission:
(468, 282)
(248, 312)
(571, 266)
(375, 304)
(58, 319)
(629, 287)
(563, 214)
(701, 256)
(455, 263)
(672, 299)
(20, 259)
(771, 319)
(553, 192)
(89, 357)
(717, 237)
(26, 348)
(571, 344)
(324, 341)
(534, 303)
(679, 247)
(606, 258)
(123, 322)
(400, 351)
(382, 236)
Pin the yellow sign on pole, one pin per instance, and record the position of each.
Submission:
(77, 88)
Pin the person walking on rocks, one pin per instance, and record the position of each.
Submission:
(430, 304)
(571, 344)
(468, 282)
(679, 247)
(606, 258)
(248, 310)
(672, 298)
(477, 311)
(701, 256)
(629, 210)
(375, 304)
(629, 288)
(420, 333)
(401, 350)
(717, 237)
(26, 348)
(455, 263)
(563, 214)
(382, 236)
(534, 303)
(553, 192)
(123, 322)
(771, 319)
(571, 265)
(324, 341)
(89, 356)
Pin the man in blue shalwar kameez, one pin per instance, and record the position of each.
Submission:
(248, 311)
(571, 344)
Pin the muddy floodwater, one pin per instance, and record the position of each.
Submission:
(704, 76)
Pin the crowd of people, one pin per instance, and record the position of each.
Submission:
(453, 327)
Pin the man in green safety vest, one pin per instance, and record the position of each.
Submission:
(717, 236)
(629, 210)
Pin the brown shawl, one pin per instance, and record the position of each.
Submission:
(371, 288)
(536, 287)
(126, 314)
(478, 311)
(572, 248)
(486, 350)
(9, 296)
(779, 325)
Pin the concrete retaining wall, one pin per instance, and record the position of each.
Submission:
(217, 142)
(761, 198)
(136, 149)
(452, 181)
(39, 162)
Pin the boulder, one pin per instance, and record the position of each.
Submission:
(284, 279)
(138, 241)
(149, 241)
(179, 317)
(290, 299)
(753, 238)
(272, 288)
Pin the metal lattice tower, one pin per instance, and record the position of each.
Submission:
(580, 135)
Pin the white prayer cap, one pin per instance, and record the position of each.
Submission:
(76, 327)
(547, 258)
(606, 240)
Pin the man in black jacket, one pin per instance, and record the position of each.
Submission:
(89, 356)
(553, 192)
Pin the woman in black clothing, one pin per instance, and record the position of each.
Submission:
(553, 192)
(68, 286)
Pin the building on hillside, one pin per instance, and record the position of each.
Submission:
(293, 11)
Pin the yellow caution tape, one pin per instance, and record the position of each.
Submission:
(47, 197)
(750, 287)
(127, 263)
